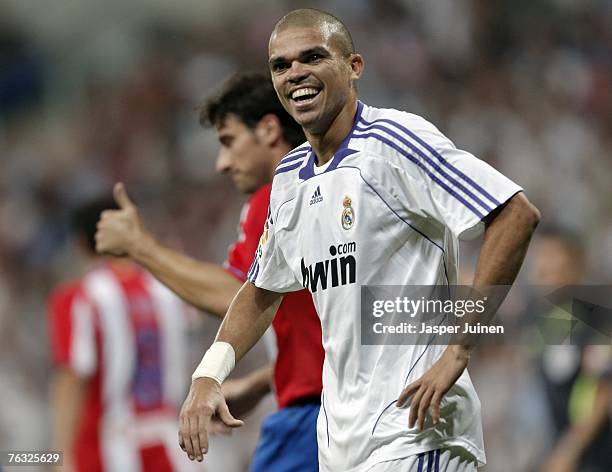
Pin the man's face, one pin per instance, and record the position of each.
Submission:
(242, 155)
(311, 75)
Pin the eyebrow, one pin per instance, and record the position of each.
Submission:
(302, 55)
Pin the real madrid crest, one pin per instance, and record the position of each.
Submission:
(348, 214)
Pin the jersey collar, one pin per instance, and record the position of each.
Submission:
(307, 171)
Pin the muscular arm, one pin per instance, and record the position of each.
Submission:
(507, 235)
(204, 285)
(248, 317)
(506, 239)
(207, 286)
(67, 393)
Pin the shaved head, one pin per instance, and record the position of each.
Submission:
(314, 69)
(326, 23)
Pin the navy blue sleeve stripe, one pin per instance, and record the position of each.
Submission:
(292, 157)
(467, 204)
(254, 264)
(305, 146)
(251, 268)
(452, 180)
(302, 148)
(437, 155)
(254, 276)
(288, 168)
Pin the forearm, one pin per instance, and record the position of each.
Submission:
(249, 315)
(506, 239)
(204, 285)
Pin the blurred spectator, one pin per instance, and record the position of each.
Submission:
(576, 376)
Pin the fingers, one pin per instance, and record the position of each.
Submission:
(424, 397)
(407, 393)
(100, 243)
(423, 407)
(414, 406)
(181, 436)
(121, 196)
(203, 401)
(185, 438)
(226, 417)
(204, 419)
(435, 407)
(194, 434)
(105, 244)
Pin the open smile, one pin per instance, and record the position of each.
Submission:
(304, 97)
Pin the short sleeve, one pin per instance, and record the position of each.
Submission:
(270, 270)
(72, 332)
(460, 189)
(252, 219)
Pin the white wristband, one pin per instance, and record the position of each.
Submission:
(217, 362)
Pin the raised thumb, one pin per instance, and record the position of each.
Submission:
(121, 196)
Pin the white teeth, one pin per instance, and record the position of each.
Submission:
(304, 91)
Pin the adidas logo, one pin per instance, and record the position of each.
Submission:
(316, 196)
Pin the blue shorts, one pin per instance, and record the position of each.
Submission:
(288, 441)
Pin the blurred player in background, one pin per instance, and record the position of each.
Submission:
(255, 132)
(118, 346)
(389, 195)
(577, 378)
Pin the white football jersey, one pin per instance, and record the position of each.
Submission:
(388, 209)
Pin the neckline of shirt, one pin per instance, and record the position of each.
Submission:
(310, 169)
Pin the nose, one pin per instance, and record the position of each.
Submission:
(297, 72)
(224, 162)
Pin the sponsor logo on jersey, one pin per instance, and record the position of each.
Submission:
(316, 196)
(348, 214)
(341, 270)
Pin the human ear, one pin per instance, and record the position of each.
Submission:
(357, 64)
(269, 129)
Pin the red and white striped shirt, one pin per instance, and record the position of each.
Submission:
(125, 332)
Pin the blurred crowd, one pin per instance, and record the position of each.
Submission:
(524, 85)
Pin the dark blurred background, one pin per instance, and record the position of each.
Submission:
(95, 92)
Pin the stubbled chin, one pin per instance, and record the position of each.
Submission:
(306, 116)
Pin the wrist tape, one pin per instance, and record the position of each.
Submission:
(217, 362)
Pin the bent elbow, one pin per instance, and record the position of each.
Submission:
(528, 214)
(534, 216)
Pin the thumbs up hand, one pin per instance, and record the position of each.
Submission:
(121, 196)
(119, 232)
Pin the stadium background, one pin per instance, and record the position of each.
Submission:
(95, 92)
